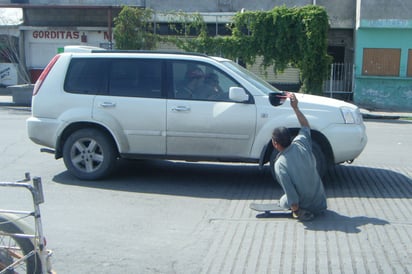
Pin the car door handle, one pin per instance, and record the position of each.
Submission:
(107, 104)
(180, 108)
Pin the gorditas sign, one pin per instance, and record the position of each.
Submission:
(68, 35)
(56, 34)
(42, 43)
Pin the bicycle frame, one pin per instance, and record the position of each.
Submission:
(36, 237)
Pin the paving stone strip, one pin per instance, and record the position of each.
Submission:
(367, 228)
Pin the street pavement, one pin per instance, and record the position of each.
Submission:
(367, 229)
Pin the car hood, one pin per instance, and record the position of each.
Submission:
(321, 102)
(320, 111)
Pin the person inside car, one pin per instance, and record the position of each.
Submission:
(191, 84)
(210, 88)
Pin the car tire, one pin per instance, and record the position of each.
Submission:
(89, 154)
(321, 164)
(272, 160)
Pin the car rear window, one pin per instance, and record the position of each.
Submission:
(127, 77)
(87, 75)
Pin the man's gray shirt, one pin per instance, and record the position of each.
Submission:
(295, 169)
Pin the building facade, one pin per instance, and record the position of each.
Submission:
(50, 25)
(355, 25)
(383, 71)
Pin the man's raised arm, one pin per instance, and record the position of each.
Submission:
(294, 104)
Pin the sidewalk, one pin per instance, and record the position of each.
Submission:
(7, 100)
(20, 99)
(380, 114)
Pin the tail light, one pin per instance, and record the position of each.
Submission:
(44, 74)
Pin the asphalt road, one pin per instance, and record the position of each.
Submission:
(176, 217)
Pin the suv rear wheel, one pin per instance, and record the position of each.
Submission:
(89, 154)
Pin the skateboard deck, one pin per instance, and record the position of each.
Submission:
(270, 210)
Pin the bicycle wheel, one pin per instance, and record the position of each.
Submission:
(13, 248)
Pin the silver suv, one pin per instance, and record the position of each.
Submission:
(92, 107)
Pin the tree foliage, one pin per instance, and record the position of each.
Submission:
(282, 36)
(134, 29)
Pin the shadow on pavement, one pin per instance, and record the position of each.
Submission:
(333, 221)
(369, 182)
(237, 181)
(207, 180)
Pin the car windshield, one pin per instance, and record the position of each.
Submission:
(262, 85)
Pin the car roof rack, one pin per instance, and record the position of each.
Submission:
(91, 49)
(80, 48)
(148, 51)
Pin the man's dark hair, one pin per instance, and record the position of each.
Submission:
(281, 135)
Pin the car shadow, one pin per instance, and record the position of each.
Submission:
(239, 181)
(201, 179)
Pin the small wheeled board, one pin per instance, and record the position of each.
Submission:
(270, 210)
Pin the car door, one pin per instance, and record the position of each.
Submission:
(205, 124)
(135, 109)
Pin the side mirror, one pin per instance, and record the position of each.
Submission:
(277, 98)
(238, 94)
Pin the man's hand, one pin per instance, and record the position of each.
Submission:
(294, 207)
(293, 100)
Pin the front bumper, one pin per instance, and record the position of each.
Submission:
(347, 141)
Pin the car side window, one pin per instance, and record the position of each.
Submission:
(200, 81)
(87, 75)
(135, 78)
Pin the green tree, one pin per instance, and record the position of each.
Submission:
(134, 29)
(282, 36)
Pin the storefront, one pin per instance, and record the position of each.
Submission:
(383, 78)
(41, 44)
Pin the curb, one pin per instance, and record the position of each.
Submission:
(384, 115)
(380, 116)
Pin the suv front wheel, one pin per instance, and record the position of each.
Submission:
(89, 154)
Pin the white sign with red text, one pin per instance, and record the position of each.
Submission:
(42, 44)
